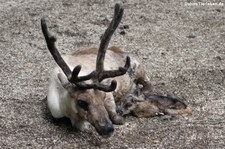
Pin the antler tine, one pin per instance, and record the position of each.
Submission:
(50, 40)
(74, 77)
(118, 13)
(102, 87)
(114, 73)
(107, 88)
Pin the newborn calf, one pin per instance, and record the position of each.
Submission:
(150, 105)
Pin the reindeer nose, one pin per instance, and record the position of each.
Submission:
(109, 128)
(106, 130)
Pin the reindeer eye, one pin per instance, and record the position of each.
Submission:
(83, 104)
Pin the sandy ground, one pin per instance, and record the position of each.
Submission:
(182, 48)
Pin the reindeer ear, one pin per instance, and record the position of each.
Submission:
(64, 81)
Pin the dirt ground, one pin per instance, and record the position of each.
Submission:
(181, 44)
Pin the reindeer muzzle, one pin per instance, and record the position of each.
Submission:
(105, 130)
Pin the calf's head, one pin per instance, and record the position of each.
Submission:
(87, 92)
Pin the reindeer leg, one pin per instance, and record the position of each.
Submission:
(141, 78)
(111, 109)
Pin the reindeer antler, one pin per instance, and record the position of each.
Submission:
(118, 14)
(105, 39)
(50, 40)
(99, 74)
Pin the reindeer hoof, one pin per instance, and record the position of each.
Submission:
(166, 117)
(118, 120)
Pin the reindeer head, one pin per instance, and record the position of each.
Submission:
(88, 91)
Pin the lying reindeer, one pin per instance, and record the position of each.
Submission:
(87, 95)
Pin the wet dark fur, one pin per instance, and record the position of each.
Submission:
(165, 101)
(149, 105)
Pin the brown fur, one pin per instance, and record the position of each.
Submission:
(153, 105)
(86, 51)
(116, 50)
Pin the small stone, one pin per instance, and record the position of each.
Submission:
(126, 26)
(28, 65)
(191, 36)
(218, 10)
(122, 33)
(219, 58)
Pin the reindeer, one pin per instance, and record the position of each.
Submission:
(150, 105)
(89, 96)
